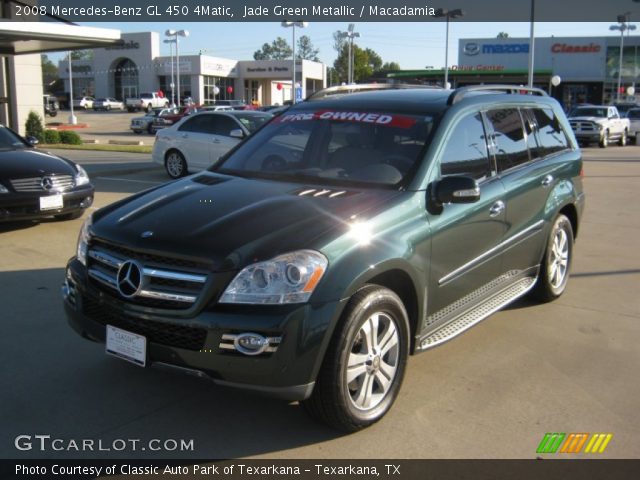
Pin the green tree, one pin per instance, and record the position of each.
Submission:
(305, 50)
(33, 126)
(49, 71)
(338, 41)
(366, 63)
(502, 35)
(388, 66)
(279, 49)
(82, 55)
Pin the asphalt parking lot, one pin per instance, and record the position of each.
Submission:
(569, 366)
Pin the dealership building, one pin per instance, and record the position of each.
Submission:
(587, 66)
(135, 66)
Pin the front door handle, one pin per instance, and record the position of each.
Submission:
(184, 135)
(216, 140)
(547, 180)
(496, 209)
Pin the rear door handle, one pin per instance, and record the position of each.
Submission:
(496, 209)
(184, 135)
(547, 180)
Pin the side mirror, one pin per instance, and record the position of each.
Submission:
(236, 133)
(456, 189)
(32, 141)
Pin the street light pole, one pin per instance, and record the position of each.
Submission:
(175, 34)
(293, 25)
(623, 26)
(350, 35)
(72, 118)
(448, 14)
(532, 43)
(173, 94)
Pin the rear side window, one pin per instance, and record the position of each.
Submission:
(551, 137)
(510, 144)
(466, 151)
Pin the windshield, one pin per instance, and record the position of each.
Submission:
(251, 121)
(589, 112)
(338, 147)
(9, 140)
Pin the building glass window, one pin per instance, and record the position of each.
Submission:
(251, 91)
(185, 85)
(223, 84)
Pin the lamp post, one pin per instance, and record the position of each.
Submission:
(173, 94)
(175, 34)
(532, 43)
(623, 25)
(72, 118)
(350, 35)
(448, 14)
(293, 26)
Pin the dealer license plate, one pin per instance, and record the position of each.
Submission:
(126, 345)
(51, 202)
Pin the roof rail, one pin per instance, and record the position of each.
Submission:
(364, 87)
(459, 93)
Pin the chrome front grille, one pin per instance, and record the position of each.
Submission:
(583, 126)
(161, 284)
(46, 183)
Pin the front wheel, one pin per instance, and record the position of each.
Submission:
(604, 140)
(175, 164)
(554, 271)
(623, 139)
(365, 362)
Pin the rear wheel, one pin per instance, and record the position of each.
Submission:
(554, 271)
(175, 164)
(149, 108)
(364, 365)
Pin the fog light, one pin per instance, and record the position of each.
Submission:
(87, 202)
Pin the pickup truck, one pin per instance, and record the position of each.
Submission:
(146, 101)
(634, 120)
(599, 123)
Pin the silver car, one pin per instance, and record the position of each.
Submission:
(107, 104)
(83, 102)
(145, 124)
(197, 141)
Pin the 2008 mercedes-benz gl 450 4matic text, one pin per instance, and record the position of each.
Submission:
(361, 226)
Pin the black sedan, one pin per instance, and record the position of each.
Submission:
(36, 184)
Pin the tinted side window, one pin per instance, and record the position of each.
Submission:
(196, 124)
(223, 125)
(508, 137)
(551, 137)
(466, 150)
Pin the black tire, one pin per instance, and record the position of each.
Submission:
(623, 139)
(108, 107)
(150, 129)
(549, 287)
(604, 141)
(69, 216)
(175, 164)
(137, 132)
(332, 401)
(149, 108)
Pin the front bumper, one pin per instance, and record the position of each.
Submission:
(193, 344)
(591, 136)
(26, 206)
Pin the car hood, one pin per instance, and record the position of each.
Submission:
(32, 163)
(588, 119)
(230, 222)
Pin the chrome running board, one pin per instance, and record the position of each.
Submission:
(474, 316)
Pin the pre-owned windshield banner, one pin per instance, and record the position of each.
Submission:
(320, 10)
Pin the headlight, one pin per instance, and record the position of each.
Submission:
(288, 278)
(83, 241)
(81, 177)
(3, 189)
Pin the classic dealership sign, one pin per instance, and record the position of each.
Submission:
(568, 48)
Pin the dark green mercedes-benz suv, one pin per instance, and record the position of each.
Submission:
(363, 225)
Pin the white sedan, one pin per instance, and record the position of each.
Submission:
(83, 102)
(197, 141)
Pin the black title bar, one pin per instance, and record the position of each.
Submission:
(324, 10)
